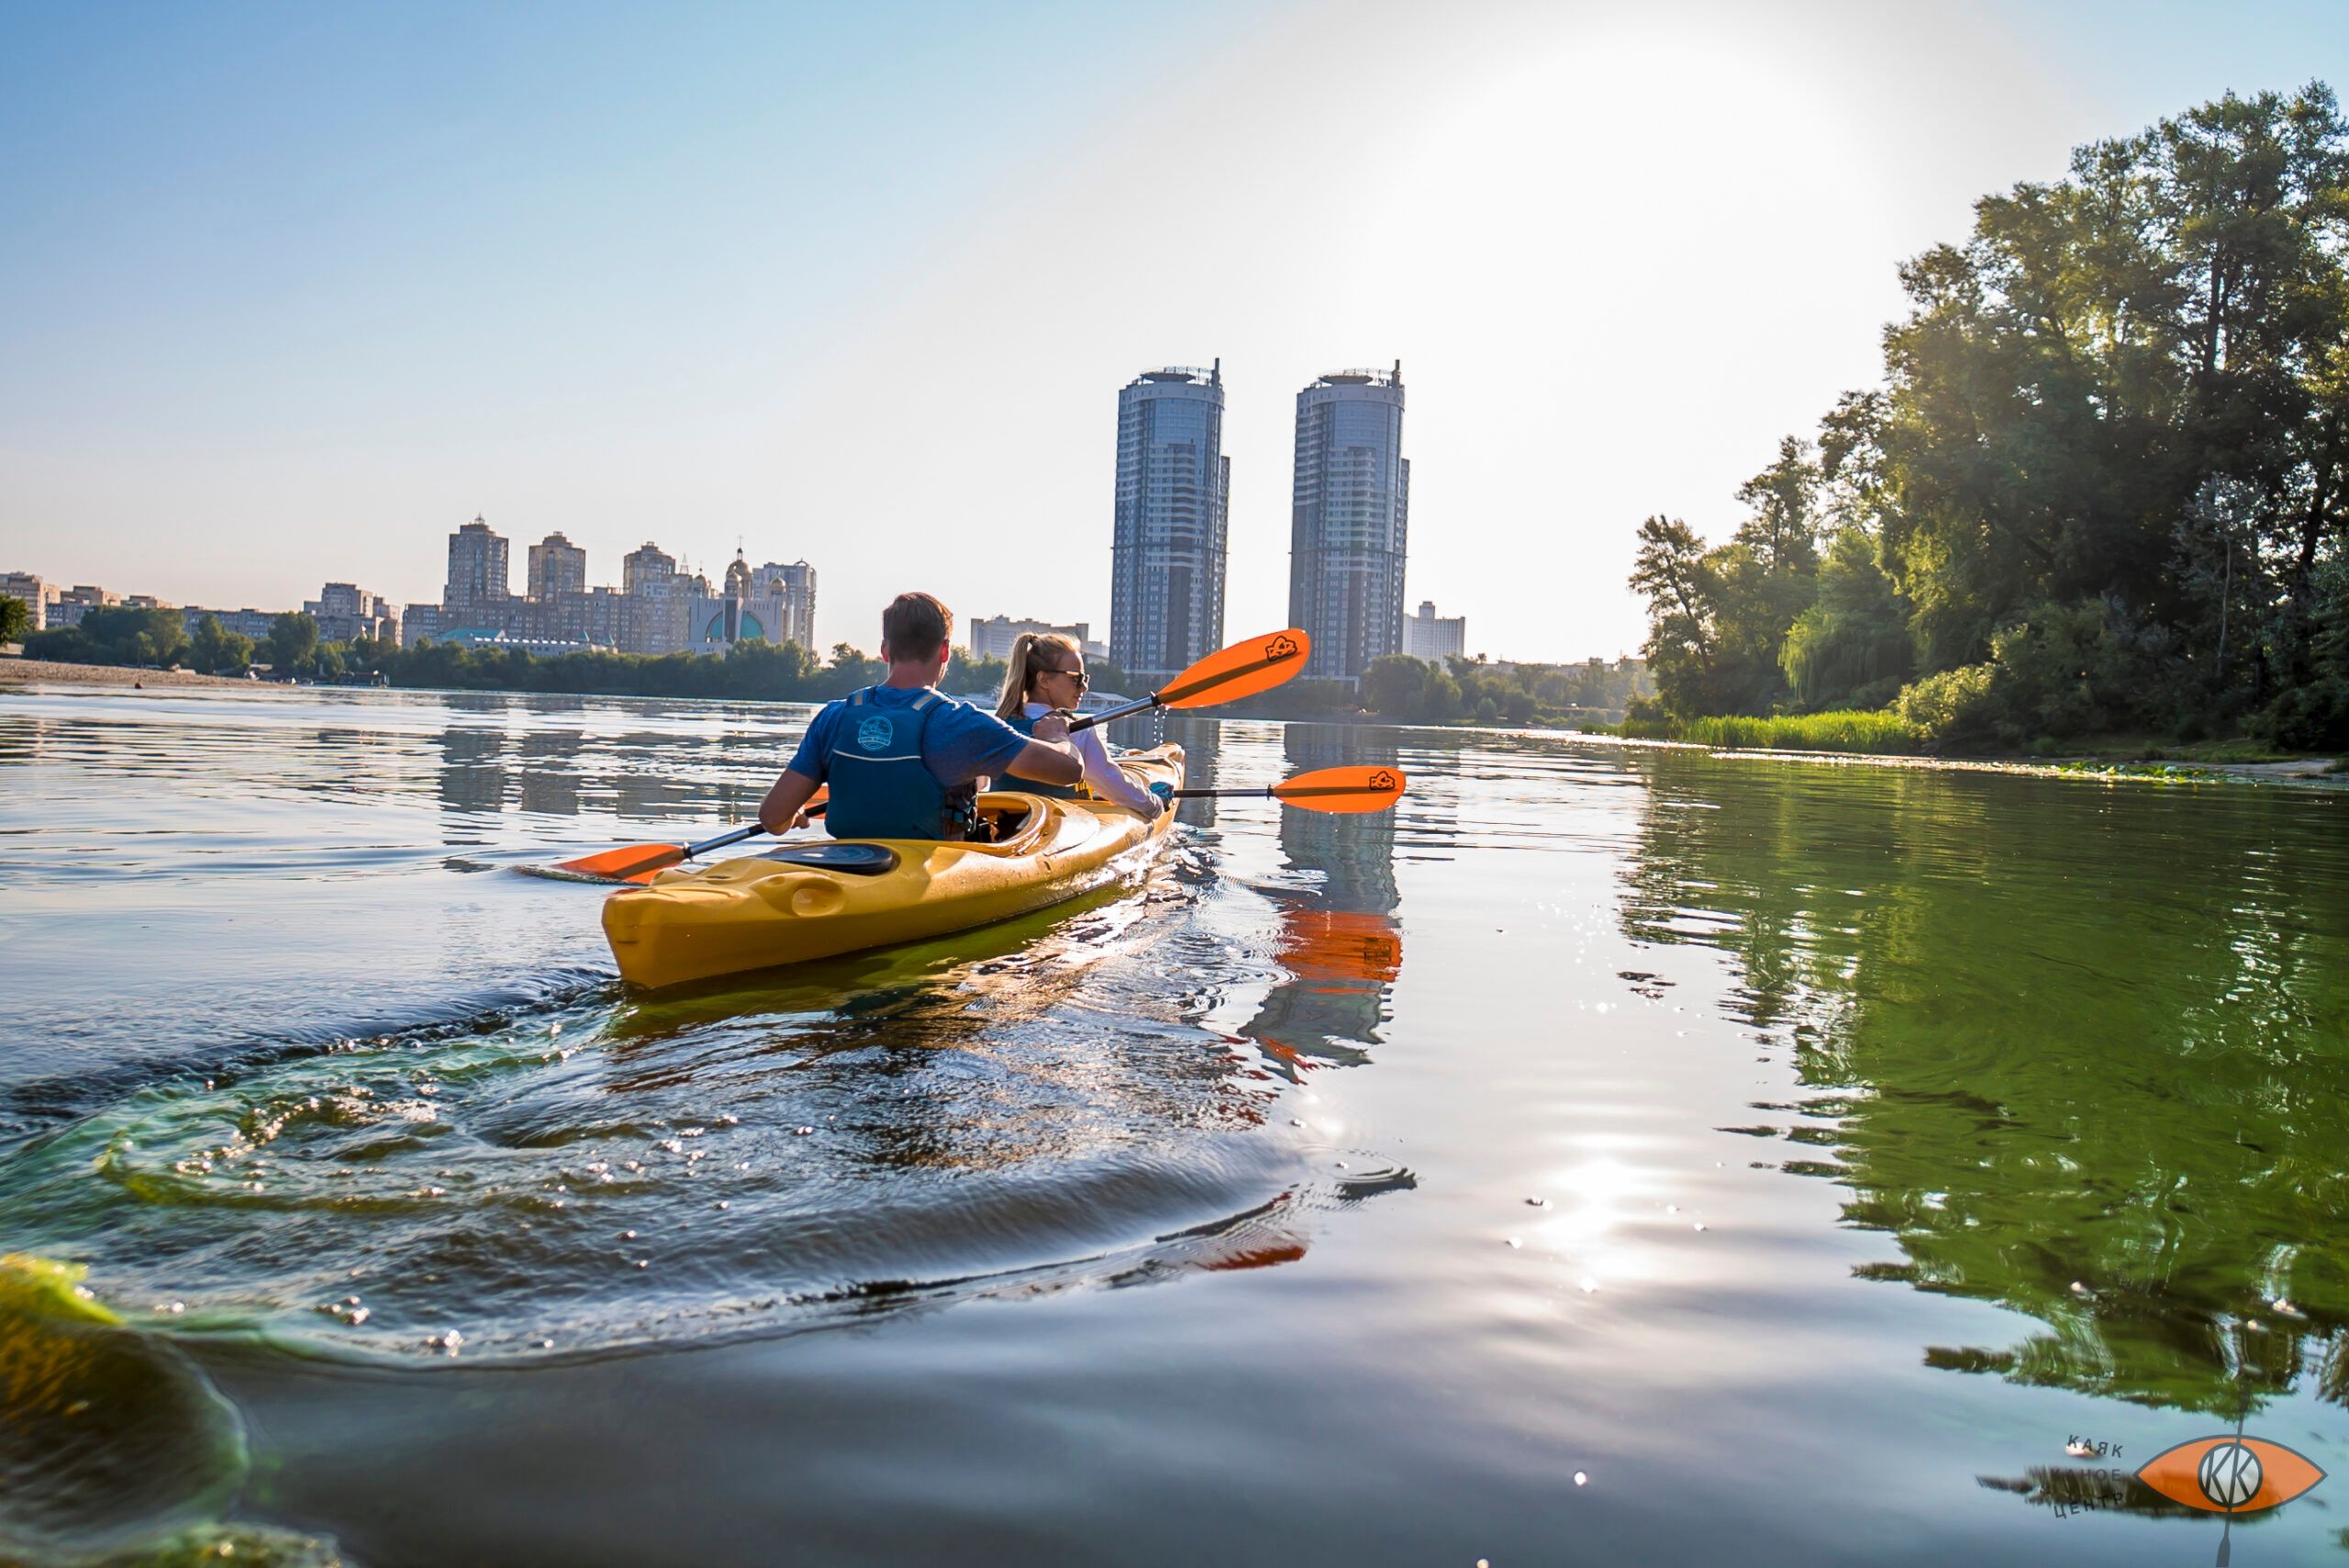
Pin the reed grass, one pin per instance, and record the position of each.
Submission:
(1845, 731)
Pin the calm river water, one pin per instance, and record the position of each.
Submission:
(1618, 1155)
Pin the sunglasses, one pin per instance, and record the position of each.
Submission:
(1079, 677)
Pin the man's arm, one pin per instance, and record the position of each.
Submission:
(1049, 757)
(779, 812)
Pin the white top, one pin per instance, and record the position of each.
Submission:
(1110, 781)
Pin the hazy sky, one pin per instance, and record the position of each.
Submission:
(288, 291)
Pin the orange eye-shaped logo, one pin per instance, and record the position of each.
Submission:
(2230, 1475)
(1282, 647)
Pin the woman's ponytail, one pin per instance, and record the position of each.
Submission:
(1015, 676)
(1020, 671)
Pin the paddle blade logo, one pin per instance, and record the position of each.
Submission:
(1257, 664)
(873, 733)
(2230, 1475)
(1382, 779)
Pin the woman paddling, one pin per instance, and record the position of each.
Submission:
(1047, 676)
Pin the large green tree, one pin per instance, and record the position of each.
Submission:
(216, 650)
(114, 634)
(1394, 685)
(292, 643)
(1717, 618)
(1851, 645)
(1783, 529)
(2113, 435)
(1683, 594)
(2069, 379)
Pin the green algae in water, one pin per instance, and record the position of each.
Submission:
(249, 1546)
(2083, 1057)
(110, 1439)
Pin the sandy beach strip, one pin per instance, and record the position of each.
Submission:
(42, 672)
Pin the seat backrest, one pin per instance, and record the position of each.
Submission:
(856, 859)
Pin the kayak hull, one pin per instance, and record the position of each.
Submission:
(759, 912)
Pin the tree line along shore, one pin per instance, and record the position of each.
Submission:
(1397, 688)
(1399, 691)
(2098, 501)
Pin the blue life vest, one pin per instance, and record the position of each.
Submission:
(881, 786)
(1027, 726)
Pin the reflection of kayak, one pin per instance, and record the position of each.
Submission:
(815, 900)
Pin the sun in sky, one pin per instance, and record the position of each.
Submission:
(290, 294)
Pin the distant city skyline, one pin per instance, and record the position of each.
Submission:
(659, 606)
(283, 304)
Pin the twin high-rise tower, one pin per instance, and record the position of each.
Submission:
(1173, 490)
(1348, 521)
(1348, 516)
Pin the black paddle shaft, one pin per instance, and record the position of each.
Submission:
(1176, 693)
(1275, 792)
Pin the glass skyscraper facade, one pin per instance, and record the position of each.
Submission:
(1174, 502)
(1348, 520)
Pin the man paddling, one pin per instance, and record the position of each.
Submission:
(902, 758)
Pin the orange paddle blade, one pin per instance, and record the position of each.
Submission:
(626, 862)
(1240, 671)
(1342, 789)
(641, 862)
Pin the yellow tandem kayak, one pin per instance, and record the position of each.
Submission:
(820, 899)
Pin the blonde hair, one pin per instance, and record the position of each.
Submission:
(1020, 672)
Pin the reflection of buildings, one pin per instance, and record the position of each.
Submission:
(473, 772)
(1356, 855)
(660, 606)
(1348, 520)
(1341, 964)
(1202, 743)
(1340, 942)
(546, 762)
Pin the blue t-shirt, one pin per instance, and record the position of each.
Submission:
(961, 742)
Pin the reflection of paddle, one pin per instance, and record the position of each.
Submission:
(1240, 671)
(636, 862)
(1329, 789)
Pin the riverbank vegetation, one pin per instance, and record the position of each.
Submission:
(1846, 730)
(2103, 488)
(1398, 688)
(1470, 690)
(754, 670)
